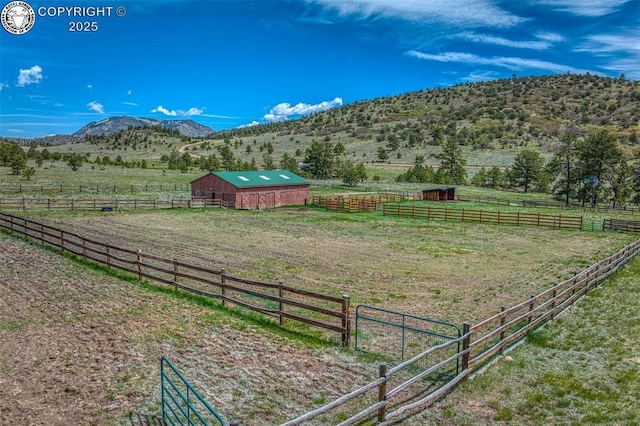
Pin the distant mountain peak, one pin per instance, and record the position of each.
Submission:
(115, 124)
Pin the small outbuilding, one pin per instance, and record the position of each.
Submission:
(439, 194)
(253, 189)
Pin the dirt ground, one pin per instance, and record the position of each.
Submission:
(79, 347)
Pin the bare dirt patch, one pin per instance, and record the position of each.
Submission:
(79, 347)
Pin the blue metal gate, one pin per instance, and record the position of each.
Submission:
(181, 403)
(399, 335)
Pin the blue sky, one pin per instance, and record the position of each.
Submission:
(231, 63)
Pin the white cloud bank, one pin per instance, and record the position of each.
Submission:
(96, 106)
(175, 113)
(512, 63)
(457, 12)
(32, 75)
(591, 8)
(284, 110)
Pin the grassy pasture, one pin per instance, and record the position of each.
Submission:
(451, 271)
(583, 368)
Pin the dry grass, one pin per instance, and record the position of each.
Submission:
(451, 271)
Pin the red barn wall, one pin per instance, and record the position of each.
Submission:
(211, 186)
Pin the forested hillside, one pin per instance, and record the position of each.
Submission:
(573, 135)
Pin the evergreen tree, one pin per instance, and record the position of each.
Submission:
(622, 183)
(352, 174)
(527, 169)
(598, 156)
(320, 159)
(636, 180)
(289, 163)
(452, 163)
(563, 167)
(495, 177)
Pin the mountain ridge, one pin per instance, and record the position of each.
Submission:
(111, 125)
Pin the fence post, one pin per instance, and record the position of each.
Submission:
(346, 320)
(139, 260)
(531, 305)
(223, 288)
(382, 391)
(281, 307)
(466, 343)
(502, 321)
(175, 273)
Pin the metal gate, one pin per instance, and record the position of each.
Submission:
(181, 403)
(399, 335)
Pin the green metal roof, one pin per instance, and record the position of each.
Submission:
(246, 179)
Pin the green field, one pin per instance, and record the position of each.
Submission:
(456, 272)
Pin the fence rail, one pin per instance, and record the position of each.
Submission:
(551, 204)
(612, 224)
(480, 344)
(272, 299)
(23, 188)
(39, 204)
(483, 216)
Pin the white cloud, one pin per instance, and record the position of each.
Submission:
(477, 76)
(129, 92)
(165, 111)
(90, 86)
(623, 50)
(500, 41)
(456, 12)
(253, 123)
(3, 85)
(96, 106)
(608, 43)
(32, 75)
(192, 111)
(550, 37)
(130, 103)
(512, 63)
(284, 110)
(591, 8)
(174, 113)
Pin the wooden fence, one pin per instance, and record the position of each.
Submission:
(484, 216)
(394, 395)
(272, 299)
(22, 188)
(600, 208)
(26, 204)
(612, 224)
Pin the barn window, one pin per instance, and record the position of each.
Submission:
(284, 176)
(264, 177)
(242, 178)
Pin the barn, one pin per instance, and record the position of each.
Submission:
(253, 189)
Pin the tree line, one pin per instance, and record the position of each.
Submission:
(584, 168)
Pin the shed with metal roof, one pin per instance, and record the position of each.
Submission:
(252, 189)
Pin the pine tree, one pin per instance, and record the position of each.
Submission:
(452, 163)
